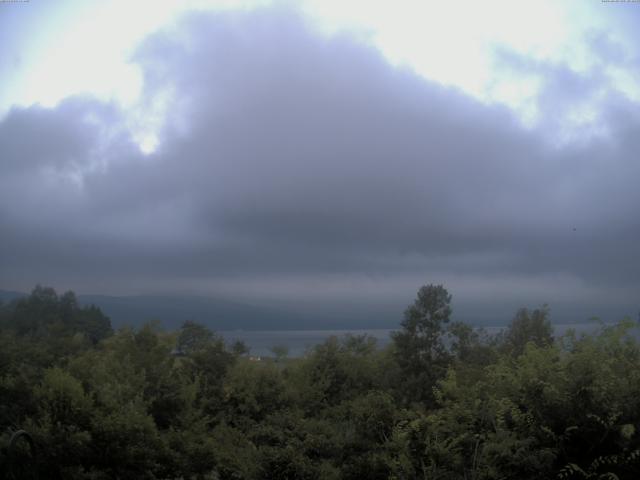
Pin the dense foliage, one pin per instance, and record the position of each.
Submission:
(443, 401)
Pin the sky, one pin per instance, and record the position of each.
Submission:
(325, 155)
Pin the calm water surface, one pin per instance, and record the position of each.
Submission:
(299, 341)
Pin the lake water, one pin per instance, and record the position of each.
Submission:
(299, 341)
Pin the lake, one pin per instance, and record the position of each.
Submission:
(298, 341)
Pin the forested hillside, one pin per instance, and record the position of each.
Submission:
(443, 401)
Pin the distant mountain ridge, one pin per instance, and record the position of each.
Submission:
(224, 314)
(171, 311)
(8, 295)
(218, 314)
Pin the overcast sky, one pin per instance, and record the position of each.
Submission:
(317, 153)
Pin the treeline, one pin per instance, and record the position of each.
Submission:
(442, 401)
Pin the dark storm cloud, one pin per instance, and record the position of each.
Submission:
(287, 154)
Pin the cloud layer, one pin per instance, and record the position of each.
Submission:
(297, 166)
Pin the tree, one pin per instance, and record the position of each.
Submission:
(193, 337)
(240, 348)
(253, 391)
(92, 322)
(206, 361)
(45, 314)
(280, 352)
(529, 327)
(420, 351)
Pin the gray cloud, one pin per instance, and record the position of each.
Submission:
(298, 165)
